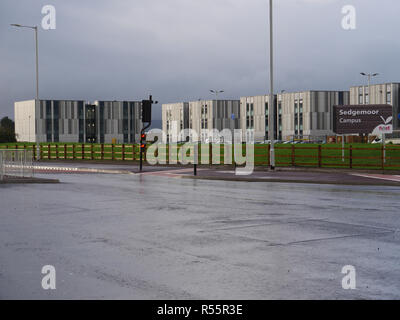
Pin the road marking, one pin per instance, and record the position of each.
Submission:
(168, 173)
(395, 178)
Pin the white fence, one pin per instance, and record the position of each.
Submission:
(16, 163)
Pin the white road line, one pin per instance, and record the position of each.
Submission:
(380, 177)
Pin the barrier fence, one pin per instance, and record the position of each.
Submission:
(16, 163)
(360, 156)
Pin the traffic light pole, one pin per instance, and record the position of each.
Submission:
(146, 117)
(142, 145)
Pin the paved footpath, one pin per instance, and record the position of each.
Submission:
(297, 175)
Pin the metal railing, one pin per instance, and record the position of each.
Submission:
(16, 163)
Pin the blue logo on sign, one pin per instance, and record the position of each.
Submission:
(233, 116)
(399, 116)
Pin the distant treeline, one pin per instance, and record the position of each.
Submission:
(7, 130)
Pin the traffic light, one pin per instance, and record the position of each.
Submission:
(146, 110)
(143, 142)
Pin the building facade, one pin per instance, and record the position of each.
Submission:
(255, 117)
(78, 121)
(298, 115)
(202, 117)
(309, 114)
(387, 93)
(174, 114)
(205, 116)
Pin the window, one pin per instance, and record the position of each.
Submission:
(360, 99)
(41, 110)
(80, 110)
(388, 97)
(66, 106)
(48, 130)
(48, 109)
(125, 111)
(56, 123)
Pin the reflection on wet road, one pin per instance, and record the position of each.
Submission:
(140, 237)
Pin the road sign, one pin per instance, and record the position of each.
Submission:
(363, 119)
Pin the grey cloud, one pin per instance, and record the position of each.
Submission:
(178, 49)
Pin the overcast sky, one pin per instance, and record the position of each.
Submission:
(179, 49)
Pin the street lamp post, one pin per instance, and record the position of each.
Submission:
(369, 75)
(35, 28)
(271, 109)
(29, 128)
(216, 92)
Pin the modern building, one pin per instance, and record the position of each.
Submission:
(255, 117)
(299, 115)
(202, 117)
(177, 113)
(205, 116)
(387, 93)
(78, 121)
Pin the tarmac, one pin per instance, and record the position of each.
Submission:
(156, 235)
(286, 175)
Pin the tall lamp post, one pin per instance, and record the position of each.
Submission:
(35, 28)
(369, 75)
(271, 109)
(216, 92)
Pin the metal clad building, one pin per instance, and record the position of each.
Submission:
(178, 112)
(207, 115)
(201, 116)
(299, 115)
(77, 121)
(387, 93)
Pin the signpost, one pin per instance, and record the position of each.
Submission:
(363, 119)
(375, 119)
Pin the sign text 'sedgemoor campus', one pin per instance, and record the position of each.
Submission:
(365, 119)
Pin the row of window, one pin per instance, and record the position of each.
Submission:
(298, 117)
(67, 110)
(364, 98)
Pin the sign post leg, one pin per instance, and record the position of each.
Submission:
(343, 137)
(384, 147)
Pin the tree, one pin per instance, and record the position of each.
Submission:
(7, 130)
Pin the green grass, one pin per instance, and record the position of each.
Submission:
(364, 156)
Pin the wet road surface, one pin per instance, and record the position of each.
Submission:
(152, 237)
